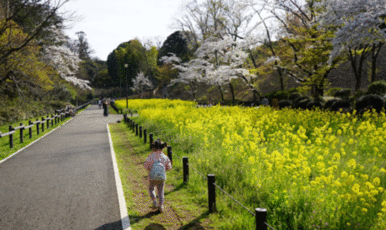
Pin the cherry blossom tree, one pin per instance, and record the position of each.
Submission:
(223, 58)
(217, 62)
(190, 73)
(59, 55)
(140, 83)
(360, 29)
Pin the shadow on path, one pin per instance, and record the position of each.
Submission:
(180, 186)
(194, 224)
(111, 226)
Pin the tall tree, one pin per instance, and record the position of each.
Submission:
(309, 45)
(82, 47)
(131, 59)
(360, 30)
(36, 17)
(141, 83)
(175, 43)
(62, 59)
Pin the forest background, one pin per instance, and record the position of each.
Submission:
(222, 51)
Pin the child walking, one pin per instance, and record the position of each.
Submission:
(157, 164)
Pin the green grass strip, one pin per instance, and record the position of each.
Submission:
(6, 151)
(188, 202)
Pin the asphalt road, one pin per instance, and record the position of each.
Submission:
(64, 181)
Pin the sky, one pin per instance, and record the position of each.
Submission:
(108, 23)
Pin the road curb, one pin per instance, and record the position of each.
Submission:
(121, 198)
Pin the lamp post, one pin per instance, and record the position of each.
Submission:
(127, 87)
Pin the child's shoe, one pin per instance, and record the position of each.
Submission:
(154, 204)
(161, 208)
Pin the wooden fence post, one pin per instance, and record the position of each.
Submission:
(43, 124)
(10, 137)
(140, 131)
(211, 193)
(30, 129)
(144, 136)
(48, 122)
(261, 218)
(136, 129)
(52, 120)
(185, 162)
(170, 153)
(151, 139)
(21, 134)
(37, 126)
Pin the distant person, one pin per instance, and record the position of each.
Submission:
(157, 163)
(100, 103)
(105, 108)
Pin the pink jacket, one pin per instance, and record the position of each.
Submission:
(157, 156)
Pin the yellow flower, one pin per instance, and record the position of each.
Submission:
(352, 163)
(364, 210)
(376, 181)
(355, 188)
(339, 132)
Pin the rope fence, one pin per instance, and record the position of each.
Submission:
(260, 214)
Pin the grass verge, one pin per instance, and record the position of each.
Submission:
(183, 208)
(5, 149)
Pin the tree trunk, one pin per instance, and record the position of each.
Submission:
(357, 68)
(232, 92)
(374, 56)
(280, 77)
(221, 92)
(193, 89)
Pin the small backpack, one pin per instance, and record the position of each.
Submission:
(157, 171)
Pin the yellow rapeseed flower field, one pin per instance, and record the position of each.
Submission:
(320, 168)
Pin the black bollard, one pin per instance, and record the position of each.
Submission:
(261, 218)
(151, 139)
(140, 131)
(211, 193)
(170, 153)
(185, 169)
(144, 136)
(136, 129)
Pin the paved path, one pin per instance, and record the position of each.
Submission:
(64, 181)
